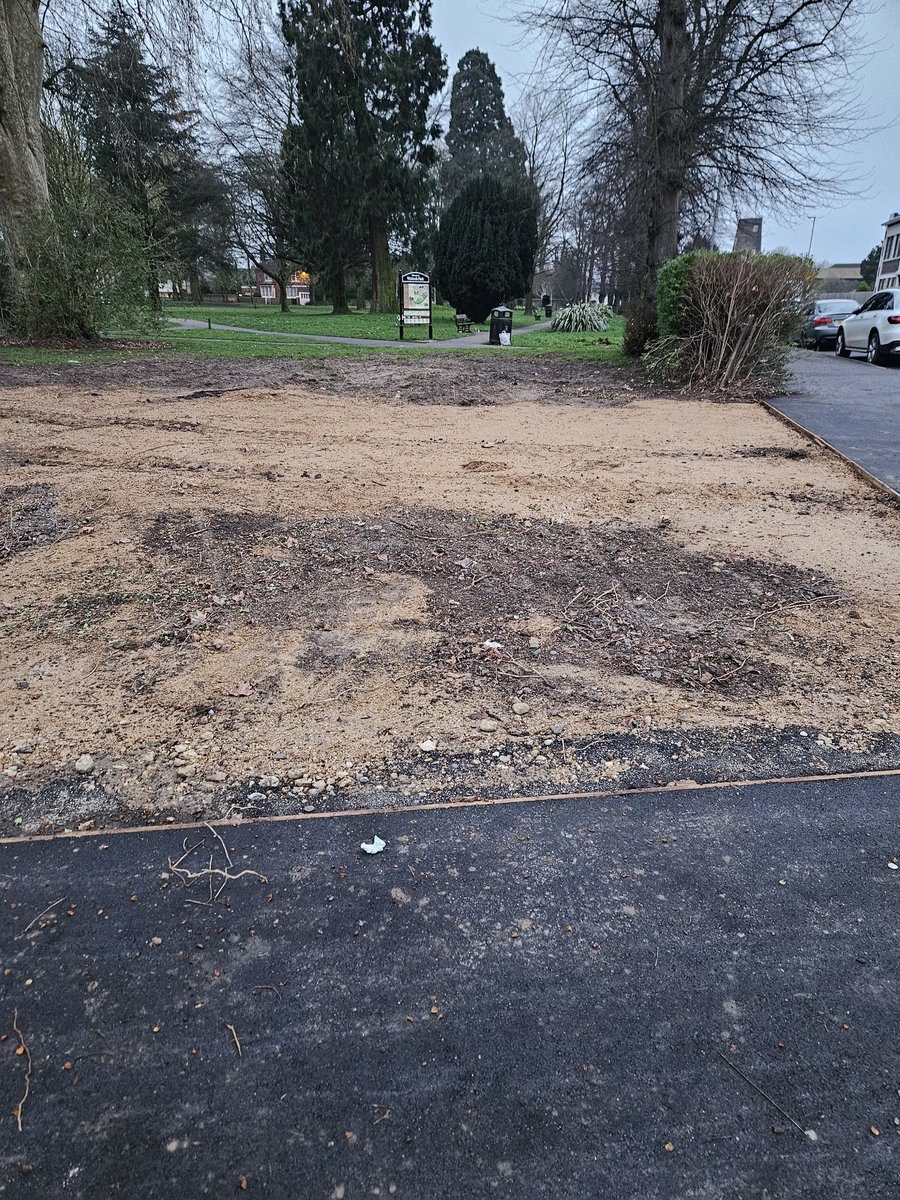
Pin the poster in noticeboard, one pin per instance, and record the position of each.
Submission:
(415, 300)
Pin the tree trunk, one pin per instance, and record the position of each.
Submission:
(360, 292)
(667, 133)
(384, 294)
(153, 297)
(338, 293)
(23, 172)
(196, 298)
(282, 288)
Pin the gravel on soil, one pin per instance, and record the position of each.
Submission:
(300, 575)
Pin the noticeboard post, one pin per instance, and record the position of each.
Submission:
(414, 293)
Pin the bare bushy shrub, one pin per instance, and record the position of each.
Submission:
(732, 322)
(81, 265)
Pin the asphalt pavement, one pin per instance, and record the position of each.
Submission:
(850, 404)
(678, 994)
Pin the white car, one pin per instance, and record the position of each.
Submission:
(874, 329)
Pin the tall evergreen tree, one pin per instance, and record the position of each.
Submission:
(366, 72)
(486, 245)
(137, 135)
(480, 138)
(868, 268)
(201, 210)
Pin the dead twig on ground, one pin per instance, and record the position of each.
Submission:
(237, 1040)
(268, 987)
(187, 851)
(227, 874)
(31, 924)
(728, 674)
(22, 1051)
(787, 1116)
(218, 837)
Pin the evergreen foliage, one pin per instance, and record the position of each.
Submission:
(363, 143)
(480, 139)
(868, 268)
(139, 142)
(486, 246)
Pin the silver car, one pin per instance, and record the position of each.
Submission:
(821, 324)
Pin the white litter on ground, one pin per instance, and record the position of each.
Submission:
(374, 847)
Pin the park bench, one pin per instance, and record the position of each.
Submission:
(463, 323)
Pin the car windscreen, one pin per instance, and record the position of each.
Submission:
(835, 306)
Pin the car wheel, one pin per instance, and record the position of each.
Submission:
(873, 354)
(840, 348)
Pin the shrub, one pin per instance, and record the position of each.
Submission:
(728, 319)
(81, 267)
(640, 328)
(862, 286)
(582, 317)
(671, 282)
(486, 246)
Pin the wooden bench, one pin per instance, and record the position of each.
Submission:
(463, 323)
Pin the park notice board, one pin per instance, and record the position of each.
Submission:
(414, 289)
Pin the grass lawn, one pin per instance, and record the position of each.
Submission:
(217, 343)
(310, 319)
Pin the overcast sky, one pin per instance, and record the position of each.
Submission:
(844, 232)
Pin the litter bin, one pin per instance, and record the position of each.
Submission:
(501, 321)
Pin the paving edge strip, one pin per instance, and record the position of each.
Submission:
(375, 814)
(854, 466)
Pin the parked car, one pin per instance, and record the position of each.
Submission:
(821, 324)
(873, 329)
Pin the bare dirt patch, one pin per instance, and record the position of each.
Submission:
(465, 381)
(290, 584)
(29, 518)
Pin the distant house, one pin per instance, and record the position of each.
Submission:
(298, 288)
(168, 289)
(839, 277)
(889, 267)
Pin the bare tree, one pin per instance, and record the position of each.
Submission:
(38, 40)
(251, 107)
(23, 171)
(697, 96)
(546, 126)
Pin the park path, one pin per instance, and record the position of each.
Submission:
(491, 999)
(475, 339)
(851, 406)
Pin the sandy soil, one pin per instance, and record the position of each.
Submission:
(203, 587)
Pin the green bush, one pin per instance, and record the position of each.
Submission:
(727, 319)
(582, 317)
(671, 284)
(862, 286)
(81, 268)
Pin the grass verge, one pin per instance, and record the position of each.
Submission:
(221, 343)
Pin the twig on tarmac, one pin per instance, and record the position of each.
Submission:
(187, 851)
(31, 924)
(268, 987)
(22, 1050)
(218, 836)
(765, 1095)
(226, 874)
(237, 1040)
